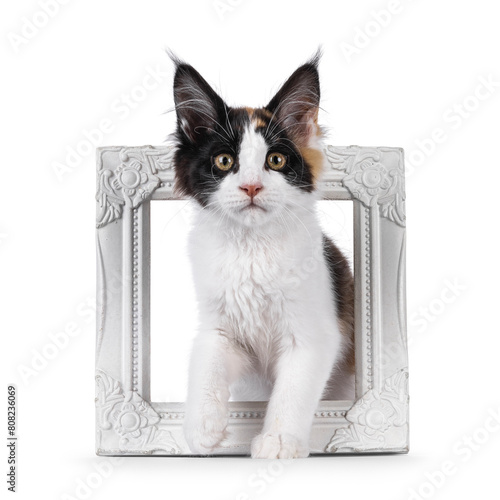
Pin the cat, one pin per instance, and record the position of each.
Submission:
(276, 296)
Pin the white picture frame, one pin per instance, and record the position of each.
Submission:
(129, 423)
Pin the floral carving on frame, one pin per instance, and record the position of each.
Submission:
(132, 418)
(370, 180)
(379, 420)
(132, 182)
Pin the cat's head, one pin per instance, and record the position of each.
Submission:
(248, 164)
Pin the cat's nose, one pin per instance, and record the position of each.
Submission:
(251, 189)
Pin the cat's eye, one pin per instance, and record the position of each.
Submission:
(224, 161)
(276, 161)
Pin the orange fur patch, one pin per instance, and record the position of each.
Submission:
(266, 112)
(256, 120)
(314, 158)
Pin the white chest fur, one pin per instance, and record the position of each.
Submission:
(256, 284)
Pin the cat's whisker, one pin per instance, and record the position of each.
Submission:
(286, 226)
(228, 121)
(277, 123)
(199, 110)
(314, 213)
(299, 219)
(282, 129)
(210, 129)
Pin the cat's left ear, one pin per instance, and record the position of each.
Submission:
(295, 106)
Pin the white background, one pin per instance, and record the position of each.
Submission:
(412, 76)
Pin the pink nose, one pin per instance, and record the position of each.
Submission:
(251, 189)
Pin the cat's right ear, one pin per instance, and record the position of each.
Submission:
(197, 105)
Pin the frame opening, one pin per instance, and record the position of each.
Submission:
(173, 293)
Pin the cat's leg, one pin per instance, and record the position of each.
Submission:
(215, 364)
(301, 374)
(341, 385)
(252, 386)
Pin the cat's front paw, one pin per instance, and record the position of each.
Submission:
(273, 445)
(204, 430)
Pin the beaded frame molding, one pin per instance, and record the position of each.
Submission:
(129, 423)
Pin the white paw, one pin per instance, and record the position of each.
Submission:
(270, 445)
(206, 428)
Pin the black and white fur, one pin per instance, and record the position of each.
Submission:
(275, 295)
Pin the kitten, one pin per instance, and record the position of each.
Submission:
(275, 294)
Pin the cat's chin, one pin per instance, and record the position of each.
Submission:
(252, 218)
(252, 215)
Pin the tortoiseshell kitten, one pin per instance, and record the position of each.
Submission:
(275, 294)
